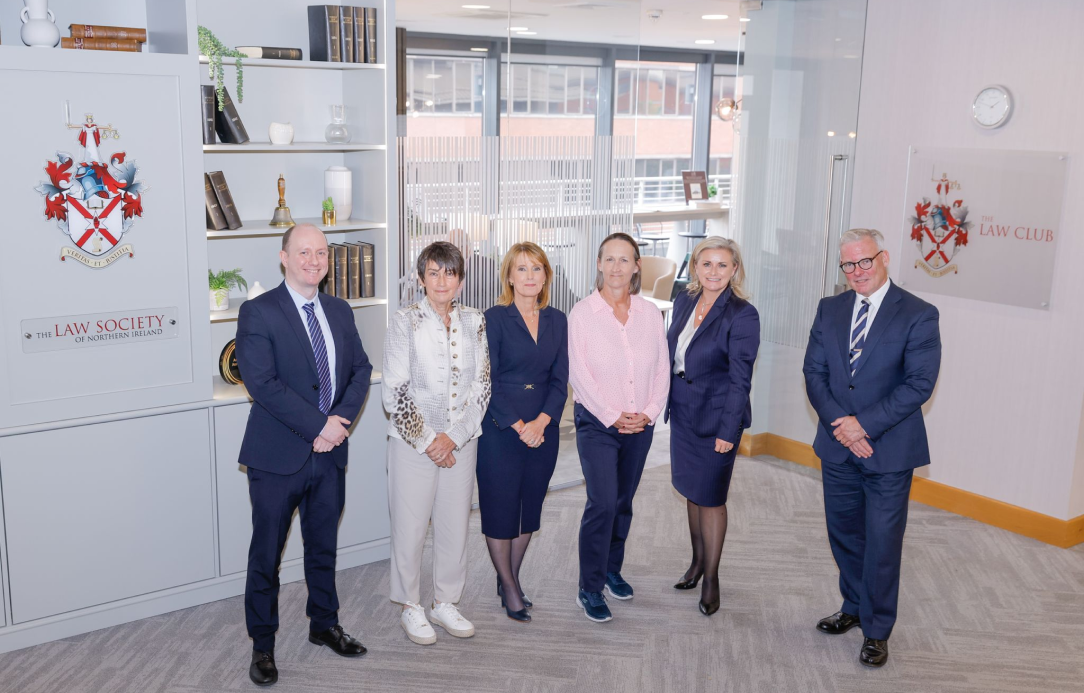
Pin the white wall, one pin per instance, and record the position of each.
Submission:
(1005, 419)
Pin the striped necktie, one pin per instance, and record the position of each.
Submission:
(320, 350)
(858, 334)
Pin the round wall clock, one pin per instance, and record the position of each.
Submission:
(992, 106)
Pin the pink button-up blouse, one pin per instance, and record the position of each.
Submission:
(618, 368)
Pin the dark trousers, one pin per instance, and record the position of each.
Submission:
(612, 465)
(867, 515)
(319, 490)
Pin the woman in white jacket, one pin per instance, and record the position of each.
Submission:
(436, 388)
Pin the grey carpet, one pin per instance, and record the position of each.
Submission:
(981, 610)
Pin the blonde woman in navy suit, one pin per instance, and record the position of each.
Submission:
(713, 342)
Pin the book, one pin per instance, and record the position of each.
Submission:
(340, 271)
(368, 269)
(353, 271)
(370, 34)
(329, 281)
(324, 34)
(346, 33)
(225, 199)
(215, 218)
(270, 52)
(102, 44)
(99, 31)
(228, 123)
(207, 101)
(359, 33)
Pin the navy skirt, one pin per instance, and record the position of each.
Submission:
(697, 471)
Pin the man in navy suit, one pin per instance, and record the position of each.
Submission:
(872, 362)
(302, 362)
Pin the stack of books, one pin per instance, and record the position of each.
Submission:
(95, 37)
(221, 212)
(350, 270)
(225, 120)
(342, 34)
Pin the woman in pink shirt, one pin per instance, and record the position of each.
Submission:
(618, 367)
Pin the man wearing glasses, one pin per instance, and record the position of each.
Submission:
(871, 363)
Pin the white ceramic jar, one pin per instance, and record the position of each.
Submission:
(339, 186)
(280, 133)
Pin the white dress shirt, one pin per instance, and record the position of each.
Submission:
(329, 342)
(875, 301)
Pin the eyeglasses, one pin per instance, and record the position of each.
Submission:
(864, 263)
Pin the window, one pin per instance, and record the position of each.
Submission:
(723, 86)
(550, 100)
(444, 96)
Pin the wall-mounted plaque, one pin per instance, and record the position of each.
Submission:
(227, 364)
(98, 329)
(983, 224)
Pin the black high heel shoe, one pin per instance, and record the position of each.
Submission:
(527, 604)
(709, 609)
(523, 616)
(687, 583)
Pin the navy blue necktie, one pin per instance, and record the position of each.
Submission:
(858, 334)
(320, 350)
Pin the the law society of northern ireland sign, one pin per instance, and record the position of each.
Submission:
(983, 224)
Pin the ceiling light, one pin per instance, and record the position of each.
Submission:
(527, 33)
(744, 19)
(517, 28)
(852, 135)
(480, 50)
(475, 7)
(704, 42)
(831, 133)
(714, 16)
(432, 76)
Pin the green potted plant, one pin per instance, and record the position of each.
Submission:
(329, 212)
(215, 50)
(220, 285)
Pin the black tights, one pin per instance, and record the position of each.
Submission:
(707, 529)
(507, 556)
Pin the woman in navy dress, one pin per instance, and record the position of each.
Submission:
(713, 342)
(528, 355)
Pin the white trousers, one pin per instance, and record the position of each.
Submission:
(417, 491)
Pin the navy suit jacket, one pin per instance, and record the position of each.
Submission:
(718, 363)
(895, 376)
(515, 358)
(278, 367)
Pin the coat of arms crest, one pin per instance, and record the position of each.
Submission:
(940, 230)
(94, 202)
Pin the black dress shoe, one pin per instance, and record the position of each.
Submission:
(527, 604)
(874, 653)
(709, 608)
(341, 643)
(838, 623)
(686, 583)
(263, 671)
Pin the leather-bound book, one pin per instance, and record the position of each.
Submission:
(228, 123)
(324, 39)
(225, 200)
(359, 32)
(370, 34)
(368, 269)
(328, 287)
(207, 101)
(353, 271)
(215, 218)
(346, 32)
(102, 44)
(340, 271)
(270, 52)
(107, 32)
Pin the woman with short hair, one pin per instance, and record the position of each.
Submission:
(618, 368)
(713, 343)
(436, 388)
(528, 356)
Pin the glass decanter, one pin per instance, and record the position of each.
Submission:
(336, 132)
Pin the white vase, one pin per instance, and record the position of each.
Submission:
(280, 133)
(339, 186)
(38, 29)
(255, 290)
(220, 300)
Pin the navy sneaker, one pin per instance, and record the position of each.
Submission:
(594, 606)
(617, 587)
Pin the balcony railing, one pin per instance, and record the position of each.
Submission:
(663, 190)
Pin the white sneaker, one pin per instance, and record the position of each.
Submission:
(416, 626)
(447, 616)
